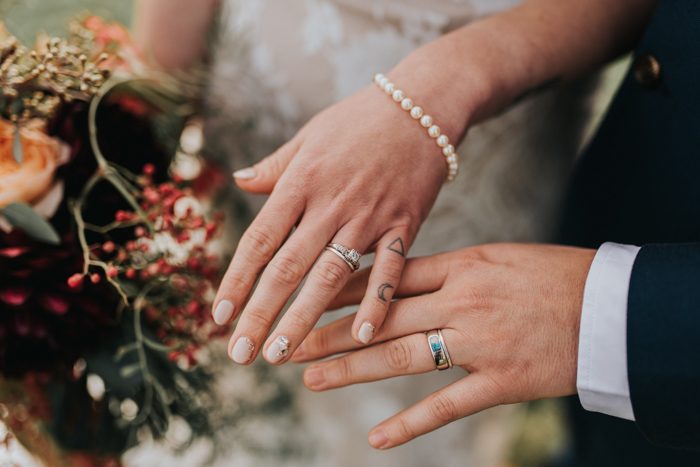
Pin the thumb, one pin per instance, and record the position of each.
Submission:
(262, 177)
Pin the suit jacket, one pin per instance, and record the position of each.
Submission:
(639, 183)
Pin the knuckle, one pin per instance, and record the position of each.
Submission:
(405, 431)
(393, 267)
(397, 355)
(261, 242)
(476, 299)
(288, 270)
(442, 408)
(331, 275)
(406, 219)
(343, 370)
(272, 164)
(236, 283)
(256, 318)
(318, 341)
(301, 321)
(497, 390)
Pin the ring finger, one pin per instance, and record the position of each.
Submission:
(403, 356)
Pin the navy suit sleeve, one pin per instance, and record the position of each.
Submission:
(663, 344)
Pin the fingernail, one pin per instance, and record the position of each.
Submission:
(223, 312)
(314, 378)
(366, 332)
(245, 174)
(378, 439)
(278, 349)
(242, 350)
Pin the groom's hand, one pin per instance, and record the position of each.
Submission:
(362, 174)
(509, 315)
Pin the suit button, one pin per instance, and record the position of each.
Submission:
(647, 70)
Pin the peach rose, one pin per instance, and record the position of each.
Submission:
(30, 181)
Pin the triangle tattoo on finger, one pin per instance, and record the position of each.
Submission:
(397, 247)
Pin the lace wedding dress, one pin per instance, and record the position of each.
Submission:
(277, 63)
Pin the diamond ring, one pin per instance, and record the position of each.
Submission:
(349, 255)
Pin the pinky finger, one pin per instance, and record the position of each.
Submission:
(465, 397)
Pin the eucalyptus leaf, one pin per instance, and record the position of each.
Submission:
(17, 150)
(23, 217)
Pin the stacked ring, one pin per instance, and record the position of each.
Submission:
(438, 349)
(349, 255)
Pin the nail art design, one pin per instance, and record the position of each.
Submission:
(242, 350)
(278, 349)
(366, 332)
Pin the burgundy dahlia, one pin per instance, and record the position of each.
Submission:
(45, 325)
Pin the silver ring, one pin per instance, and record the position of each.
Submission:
(349, 255)
(438, 349)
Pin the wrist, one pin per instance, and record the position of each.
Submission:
(439, 85)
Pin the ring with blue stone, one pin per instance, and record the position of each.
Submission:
(438, 349)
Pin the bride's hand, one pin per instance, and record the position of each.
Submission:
(509, 315)
(363, 174)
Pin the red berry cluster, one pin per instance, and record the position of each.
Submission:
(169, 260)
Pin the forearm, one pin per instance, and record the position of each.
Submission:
(476, 71)
(173, 32)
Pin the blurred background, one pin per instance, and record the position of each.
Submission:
(512, 182)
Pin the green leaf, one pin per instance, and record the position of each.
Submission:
(17, 150)
(25, 218)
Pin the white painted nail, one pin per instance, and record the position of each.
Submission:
(278, 349)
(366, 332)
(245, 174)
(242, 350)
(223, 312)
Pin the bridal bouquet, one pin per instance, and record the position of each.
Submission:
(108, 250)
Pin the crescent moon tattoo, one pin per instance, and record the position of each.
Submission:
(383, 288)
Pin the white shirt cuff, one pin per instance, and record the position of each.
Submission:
(601, 380)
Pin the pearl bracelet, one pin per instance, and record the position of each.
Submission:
(426, 121)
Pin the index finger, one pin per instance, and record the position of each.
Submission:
(256, 248)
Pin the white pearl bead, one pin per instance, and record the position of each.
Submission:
(389, 88)
(407, 104)
(452, 159)
(426, 121)
(442, 141)
(378, 78)
(434, 131)
(448, 150)
(383, 82)
(398, 95)
(417, 112)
